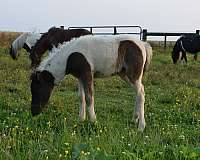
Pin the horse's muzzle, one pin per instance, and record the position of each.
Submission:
(13, 54)
(35, 110)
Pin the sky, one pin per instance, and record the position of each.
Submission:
(153, 15)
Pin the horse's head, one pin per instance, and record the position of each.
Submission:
(175, 56)
(41, 88)
(13, 52)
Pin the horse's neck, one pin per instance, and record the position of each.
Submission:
(55, 63)
(32, 39)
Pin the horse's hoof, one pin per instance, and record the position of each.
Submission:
(93, 118)
(135, 118)
(82, 118)
(141, 126)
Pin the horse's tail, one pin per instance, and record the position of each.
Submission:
(149, 53)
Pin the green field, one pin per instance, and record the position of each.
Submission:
(172, 112)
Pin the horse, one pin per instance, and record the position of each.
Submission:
(52, 38)
(190, 44)
(90, 57)
(26, 41)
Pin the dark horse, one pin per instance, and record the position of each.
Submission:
(185, 44)
(53, 37)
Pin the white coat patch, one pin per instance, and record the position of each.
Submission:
(101, 53)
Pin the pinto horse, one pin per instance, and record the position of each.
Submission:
(52, 38)
(26, 41)
(89, 57)
(184, 44)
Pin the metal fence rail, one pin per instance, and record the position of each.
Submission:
(115, 29)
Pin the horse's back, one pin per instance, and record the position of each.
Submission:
(101, 51)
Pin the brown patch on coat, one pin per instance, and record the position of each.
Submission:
(130, 60)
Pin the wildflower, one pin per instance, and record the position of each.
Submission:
(60, 155)
(98, 149)
(66, 152)
(182, 137)
(146, 136)
(73, 133)
(67, 144)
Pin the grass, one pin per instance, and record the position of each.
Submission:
(172, 112)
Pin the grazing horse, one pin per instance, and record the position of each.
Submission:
(26, 41)
(185, 44)
(89, 57)
(52, 38)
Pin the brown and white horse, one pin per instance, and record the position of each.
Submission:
(52, 38)
(91, 56)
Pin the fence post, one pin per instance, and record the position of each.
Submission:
(90, 29)
(115, 30)
(144, 35)
(197, 32)
(165, 43)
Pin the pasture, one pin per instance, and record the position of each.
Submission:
(172, 112)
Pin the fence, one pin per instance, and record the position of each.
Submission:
(143, 33)
(115, 30)
(165, 35)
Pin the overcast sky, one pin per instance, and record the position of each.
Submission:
(155, 15)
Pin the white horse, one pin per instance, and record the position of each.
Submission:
(26, 41)
(89, 57)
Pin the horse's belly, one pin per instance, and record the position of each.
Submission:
(104, 62)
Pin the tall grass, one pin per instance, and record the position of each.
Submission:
(7, 37)
(172, 112)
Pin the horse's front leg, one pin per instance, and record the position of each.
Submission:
(195, 57)
(82, 112)
(87, 80)
(184, 57)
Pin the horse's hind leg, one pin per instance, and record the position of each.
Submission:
(87, 81)
(132, 73)
(82, 111)
(138, 116)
